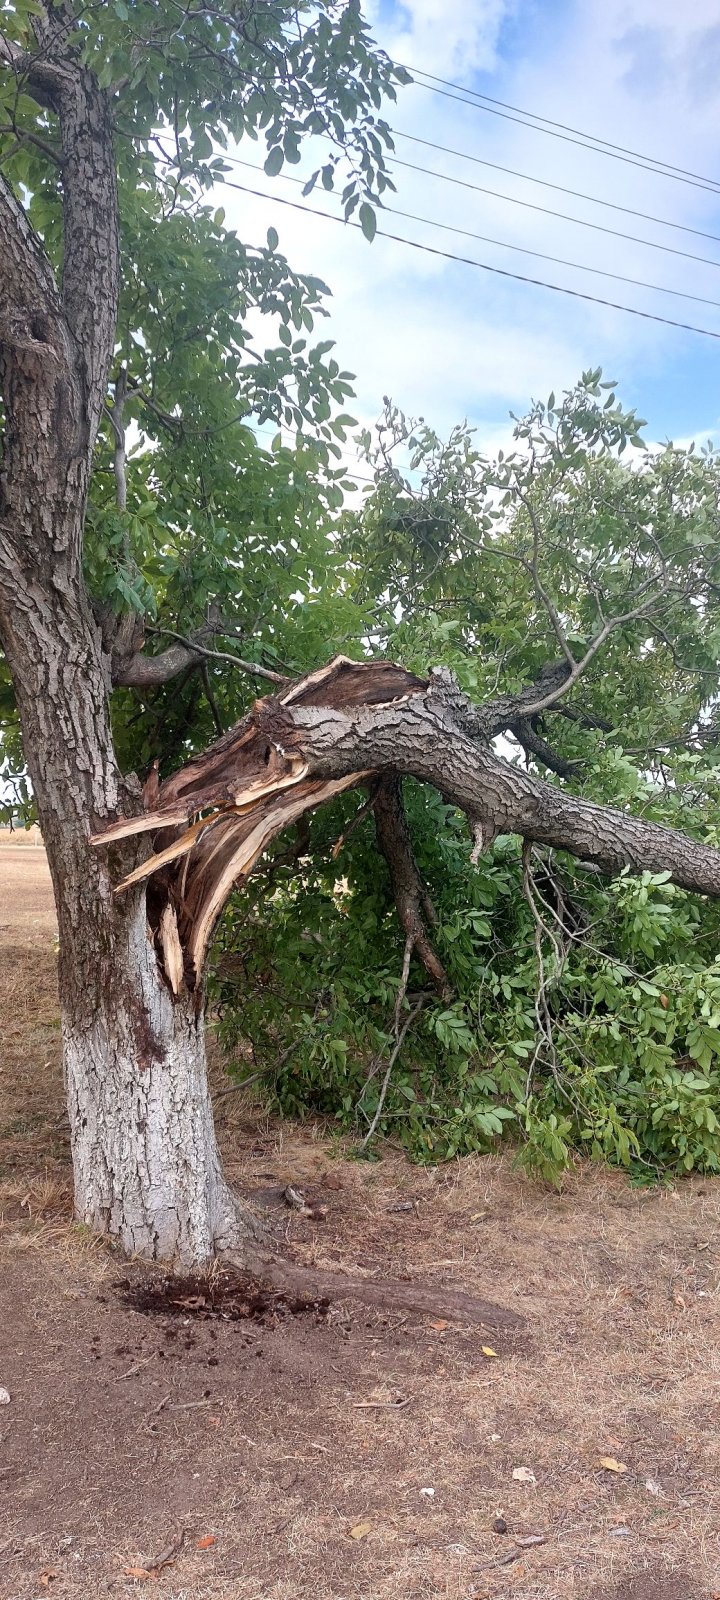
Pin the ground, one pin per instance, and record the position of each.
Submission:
(244, 1451)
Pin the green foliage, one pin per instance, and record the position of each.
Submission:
(617, 1053)
(308, 969)
(215, 339)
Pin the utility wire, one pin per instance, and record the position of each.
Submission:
(654, 161)
(527, 205)
(547, 211)
(482, 266)
(708, 185)
(560, 188)
(503, 244)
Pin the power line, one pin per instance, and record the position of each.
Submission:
(514, 200)
(525, 250)
(547, 211)
(483, 266)
(560, 188)
(476, 94)
(708, 185)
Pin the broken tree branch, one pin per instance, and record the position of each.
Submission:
(338, 727)
(409, 892)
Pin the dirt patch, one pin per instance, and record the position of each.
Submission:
(654, 1583)
(358, 1450)
(231, 1296)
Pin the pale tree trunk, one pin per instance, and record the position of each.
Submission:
(146, 1164)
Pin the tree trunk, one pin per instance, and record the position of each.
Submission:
(147, 1168)
(146, 1163)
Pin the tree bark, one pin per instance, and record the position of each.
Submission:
(146, 1163)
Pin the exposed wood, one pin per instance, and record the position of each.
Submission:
(171, 947)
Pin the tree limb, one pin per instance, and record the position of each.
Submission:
(409, 892)
(336, 728)
(138, 671)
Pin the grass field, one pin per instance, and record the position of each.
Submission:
(247, 1453)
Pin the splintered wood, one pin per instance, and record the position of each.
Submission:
(237, 796)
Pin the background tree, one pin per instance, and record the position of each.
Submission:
(574, 1009)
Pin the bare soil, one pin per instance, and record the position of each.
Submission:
(214, 1438)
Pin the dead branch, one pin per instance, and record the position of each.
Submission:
(410, 895)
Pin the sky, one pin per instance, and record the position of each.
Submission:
(449, 342)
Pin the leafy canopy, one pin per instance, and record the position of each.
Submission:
(215, 336)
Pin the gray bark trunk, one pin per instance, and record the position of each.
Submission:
(146, 1164)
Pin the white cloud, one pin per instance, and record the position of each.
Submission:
(447, 340)
(452, 39)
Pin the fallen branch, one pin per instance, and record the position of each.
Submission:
(336, 728)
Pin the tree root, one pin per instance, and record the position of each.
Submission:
(390, 1294)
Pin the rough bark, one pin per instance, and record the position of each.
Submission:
(145, 1157)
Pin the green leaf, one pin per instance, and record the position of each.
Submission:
(275, 161)
(368, 220)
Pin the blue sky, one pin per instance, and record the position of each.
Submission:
(448, 341)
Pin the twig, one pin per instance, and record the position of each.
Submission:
(540, 591)
(354, 822)
(521, 1545)
(393, 1058)
(167, 1555)
(272, 1066)
(381, 1405)
(220, 655)
(137, 1367)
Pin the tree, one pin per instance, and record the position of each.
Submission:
(115, 314)
(111, 121)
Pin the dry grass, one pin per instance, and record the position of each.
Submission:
(619, 1358)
